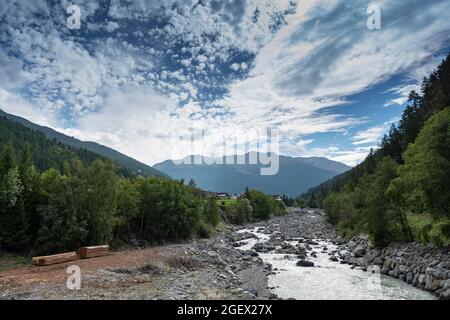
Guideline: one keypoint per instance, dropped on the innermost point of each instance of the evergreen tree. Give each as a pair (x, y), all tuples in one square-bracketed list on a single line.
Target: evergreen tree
[(192, 183)]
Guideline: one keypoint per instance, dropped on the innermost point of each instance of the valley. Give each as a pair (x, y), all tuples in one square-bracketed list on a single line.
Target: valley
[(256, 261)]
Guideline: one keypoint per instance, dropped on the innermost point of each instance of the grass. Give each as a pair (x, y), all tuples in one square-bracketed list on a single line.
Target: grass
[(226, 202), (11, 261), (426, 230)]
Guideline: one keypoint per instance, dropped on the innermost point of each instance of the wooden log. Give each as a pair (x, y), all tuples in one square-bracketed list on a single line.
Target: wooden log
[(95, 251), (54, 259)]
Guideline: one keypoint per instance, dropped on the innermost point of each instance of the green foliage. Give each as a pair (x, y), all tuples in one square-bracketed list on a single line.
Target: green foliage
[(338, 208), (440, 233), (55, 198), (45, 153), (243, 211), (63, 219), (80, 206), (226, 202), (211, 211), (423, 184), (383, 225), (52, 211), (401, 192), (168, 210), (288, 202), (128, 204), (433, 98), (51, 149), (252, 206), (13, 220), (11, 261), (264, 206), (369, 212)]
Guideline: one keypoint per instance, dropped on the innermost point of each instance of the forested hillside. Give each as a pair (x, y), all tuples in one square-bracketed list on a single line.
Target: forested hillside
[(51, 211), (401, 192), (127, 163), (46, 153), (88, 203)]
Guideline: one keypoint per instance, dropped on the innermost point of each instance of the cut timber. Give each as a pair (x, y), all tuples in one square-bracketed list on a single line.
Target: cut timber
[(54, 259), (91, 252)]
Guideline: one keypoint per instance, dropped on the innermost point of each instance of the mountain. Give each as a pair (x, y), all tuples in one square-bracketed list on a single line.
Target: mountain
[(72, 146), (295, 175)]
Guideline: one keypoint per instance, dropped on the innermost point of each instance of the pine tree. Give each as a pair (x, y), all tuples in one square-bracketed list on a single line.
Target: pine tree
[(13, 220)]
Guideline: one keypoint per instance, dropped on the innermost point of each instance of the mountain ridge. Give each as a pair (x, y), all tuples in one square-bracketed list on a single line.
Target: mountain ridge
[(133, 165), (295, 175)]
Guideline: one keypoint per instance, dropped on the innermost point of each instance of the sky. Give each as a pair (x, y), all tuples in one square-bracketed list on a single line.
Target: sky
[(138, 73)]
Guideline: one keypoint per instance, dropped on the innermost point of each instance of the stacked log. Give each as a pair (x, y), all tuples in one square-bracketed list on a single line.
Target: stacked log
[(96, 251), (54, 259)]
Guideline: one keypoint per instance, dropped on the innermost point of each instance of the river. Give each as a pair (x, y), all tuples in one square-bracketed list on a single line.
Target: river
[(328, 280)]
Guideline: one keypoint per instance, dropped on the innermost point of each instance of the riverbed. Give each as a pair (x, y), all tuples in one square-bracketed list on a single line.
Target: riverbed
[(327, 279), (254, 262)]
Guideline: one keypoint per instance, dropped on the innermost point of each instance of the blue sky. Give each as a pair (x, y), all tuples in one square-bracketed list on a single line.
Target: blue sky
[(137, 72)]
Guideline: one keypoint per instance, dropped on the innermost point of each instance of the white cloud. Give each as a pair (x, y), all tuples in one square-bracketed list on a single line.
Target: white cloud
[(16, 105), (369, 135), (125, 94)]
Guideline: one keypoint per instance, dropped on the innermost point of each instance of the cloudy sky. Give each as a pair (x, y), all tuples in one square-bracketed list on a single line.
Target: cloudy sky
[(138, 72)]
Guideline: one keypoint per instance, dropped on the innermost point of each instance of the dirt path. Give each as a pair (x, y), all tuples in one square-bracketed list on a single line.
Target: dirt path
[(30, 275), (204, 269)]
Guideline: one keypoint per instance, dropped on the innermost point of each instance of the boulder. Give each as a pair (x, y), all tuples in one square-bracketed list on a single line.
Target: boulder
[(445, 295), (334, 259), (409, 277), (378, 261), (421, 279), (445, 284), (431, 283), (305, 263), (387, 263), (359, 251), (444, 265)]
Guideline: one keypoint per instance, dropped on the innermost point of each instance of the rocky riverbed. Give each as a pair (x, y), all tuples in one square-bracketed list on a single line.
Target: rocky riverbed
[(296, 256), (424, 267), (310, 261)]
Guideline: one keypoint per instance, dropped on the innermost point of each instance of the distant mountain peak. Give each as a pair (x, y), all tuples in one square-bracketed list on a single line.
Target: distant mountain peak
[(295, 174)]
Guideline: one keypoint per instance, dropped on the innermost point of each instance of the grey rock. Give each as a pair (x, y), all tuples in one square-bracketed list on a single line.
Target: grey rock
[(359, 251), (409, 277), (444, 265), (334, 259), (305, 263), (445, 295), (445, 284), (378, 261)]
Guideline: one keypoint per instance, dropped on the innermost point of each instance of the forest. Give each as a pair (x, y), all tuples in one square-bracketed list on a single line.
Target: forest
[(72, 198), (401, 191)]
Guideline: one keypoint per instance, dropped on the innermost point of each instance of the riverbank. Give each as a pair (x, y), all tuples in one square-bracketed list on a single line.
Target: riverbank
[(310, 261), (203, 269), (295, 256), (424, 267)]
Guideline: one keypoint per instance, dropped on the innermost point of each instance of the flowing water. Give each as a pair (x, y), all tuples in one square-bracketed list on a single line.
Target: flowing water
[(329, 280)]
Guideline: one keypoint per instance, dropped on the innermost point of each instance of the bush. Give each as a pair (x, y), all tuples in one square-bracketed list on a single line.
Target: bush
[(440, 233), (264, 206), (211, 211), (243, 211)]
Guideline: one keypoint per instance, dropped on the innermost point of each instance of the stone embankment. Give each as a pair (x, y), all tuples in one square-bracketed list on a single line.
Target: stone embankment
[(425, 267)]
